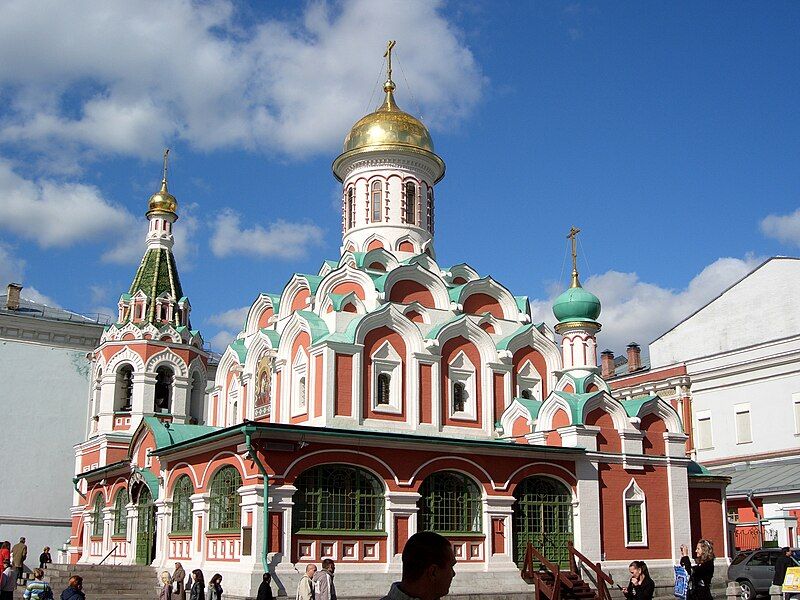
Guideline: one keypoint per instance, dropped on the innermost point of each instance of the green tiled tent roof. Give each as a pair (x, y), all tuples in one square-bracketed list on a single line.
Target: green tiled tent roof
[(157, 273)]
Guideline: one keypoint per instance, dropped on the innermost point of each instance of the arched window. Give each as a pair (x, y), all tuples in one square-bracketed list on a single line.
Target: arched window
[(337, 498), (459, 399), (124, 388), (351, 207), (225, 500), (450, 503), (526, 393), (430, 210), (182, 505), (163, 392), (377, 198), (411, 203), (97, 516), (121, 513), (635, 516), (384, 387), (197, 399)]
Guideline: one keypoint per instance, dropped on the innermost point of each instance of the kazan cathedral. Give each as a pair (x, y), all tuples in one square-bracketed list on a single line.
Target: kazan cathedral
[(383, 395)]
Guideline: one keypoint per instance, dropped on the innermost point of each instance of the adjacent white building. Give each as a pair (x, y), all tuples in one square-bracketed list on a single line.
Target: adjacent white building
[(44, 375)]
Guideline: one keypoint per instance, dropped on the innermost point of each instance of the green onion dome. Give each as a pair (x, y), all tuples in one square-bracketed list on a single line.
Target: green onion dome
[(576, 304)]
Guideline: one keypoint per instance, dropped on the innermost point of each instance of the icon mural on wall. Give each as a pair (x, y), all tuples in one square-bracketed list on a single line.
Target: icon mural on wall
[(263, 382)]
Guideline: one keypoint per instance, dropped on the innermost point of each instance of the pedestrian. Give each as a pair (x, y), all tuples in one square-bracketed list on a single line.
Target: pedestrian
[(215, 587), (305, 587), (74, 589), (178, 591), (18, 555), (198, 589), (38, 589), (784, 561), (428, 561), (8, 581), (641, 586), (5, 552), (166, 587), (44, 558), (264, 590), (702, 572), (323, 581)]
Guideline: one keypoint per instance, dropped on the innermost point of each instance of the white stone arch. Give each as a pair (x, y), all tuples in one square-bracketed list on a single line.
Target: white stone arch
[(126, 355), (297, 283), (490, 287), (228, 362), (348, 274), (169, 358), (349, 298), (375, 237), (464, 271), (528, 373), (418, 308), (294, 327), (172, 477), (538, 341), (608, 404), (415, 272), (468, 329), (426, 262), (427, 246), (391, 317), (594, 378), (263, 302), (514, 411), (544, 420), (214, 467), (382, 256), (358, 454), (259, 344), (170, 331), (415, 476), (664, 411), (490, 319), (411, 240)]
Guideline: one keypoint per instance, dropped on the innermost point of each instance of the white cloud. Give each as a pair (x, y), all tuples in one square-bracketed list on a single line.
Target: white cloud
[(126, 77), (11, 267), (279, 239), (55, 214), (635, 310), (34, 295), (220, 341), (784, 228), (230, 319)]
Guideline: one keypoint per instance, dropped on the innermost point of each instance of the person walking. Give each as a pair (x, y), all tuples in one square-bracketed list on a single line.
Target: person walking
[(428, 561), (74, 589), (178, 591), (8, 581), (5, 552), (44, 558), (215, 587), (701, 573), (264, 590), (784, 561), (198, 589), (305, 587), (324, 589), (166, 586), (18, 555), (38, 589), (641, 586)]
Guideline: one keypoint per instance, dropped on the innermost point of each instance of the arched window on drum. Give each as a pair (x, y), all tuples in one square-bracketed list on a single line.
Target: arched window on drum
[(450, 502), (338, 498), (376, 199)]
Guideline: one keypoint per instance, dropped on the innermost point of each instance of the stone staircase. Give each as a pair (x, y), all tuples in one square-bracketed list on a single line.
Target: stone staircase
[(104, 582)]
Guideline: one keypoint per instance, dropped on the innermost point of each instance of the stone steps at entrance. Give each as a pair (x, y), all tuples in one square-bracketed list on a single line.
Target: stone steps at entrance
[(105, 582)]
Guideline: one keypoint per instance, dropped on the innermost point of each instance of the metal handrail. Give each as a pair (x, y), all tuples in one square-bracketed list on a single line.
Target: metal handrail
[(110, 552)]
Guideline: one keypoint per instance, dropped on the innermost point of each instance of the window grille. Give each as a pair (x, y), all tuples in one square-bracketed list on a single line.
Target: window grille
[(634, 517), (543, 517), (351, 207), (458, 397), (225, 500), (377, 194), (97, 516), (384, 386), (338, 498), (182, 505), (411, 201), (430, 210), (450, 503), (121, 513)]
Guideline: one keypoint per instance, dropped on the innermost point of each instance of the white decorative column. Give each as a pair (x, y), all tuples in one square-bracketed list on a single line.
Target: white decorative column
[(678, 486), (163, 521), (400, 506), (280, 501), (88, 526), (586, 512), (253, 516), (108, 528), (201, 505), (499, 508), (179, 406)]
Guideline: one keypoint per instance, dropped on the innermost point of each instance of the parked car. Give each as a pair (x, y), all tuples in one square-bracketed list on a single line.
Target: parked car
[(754, 570)]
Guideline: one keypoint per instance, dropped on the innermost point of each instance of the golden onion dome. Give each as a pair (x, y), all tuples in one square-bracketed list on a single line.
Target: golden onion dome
[(162, 200), (388, 126)]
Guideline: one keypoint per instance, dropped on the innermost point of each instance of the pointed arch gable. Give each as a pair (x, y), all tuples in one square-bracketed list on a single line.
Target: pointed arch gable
[(424, 279), (297, 294), (168, 357), (391, 317), (291, 336), (468, 329), (261, 314), (608, 404), (381, 256), (463, 273), (530, 336), (425, 261), (415, 308), (664, 411), (487, 293), (511, 414), (336, 303), (550, 408), (347, 279), (125, 355)]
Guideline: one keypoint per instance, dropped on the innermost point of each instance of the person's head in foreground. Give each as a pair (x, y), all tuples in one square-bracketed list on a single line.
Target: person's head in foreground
[(428, 562), (310, 570)]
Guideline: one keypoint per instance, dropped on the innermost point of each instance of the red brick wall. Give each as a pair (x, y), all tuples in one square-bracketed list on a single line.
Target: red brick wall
[(653, 442), (425, 394), (477, 304), (499, 396), (344, 384), (408, 291), (608, 438), (705, 513)]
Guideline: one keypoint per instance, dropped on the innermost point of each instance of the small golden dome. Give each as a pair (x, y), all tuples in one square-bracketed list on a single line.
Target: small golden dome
[(388, 126), (162, 200)]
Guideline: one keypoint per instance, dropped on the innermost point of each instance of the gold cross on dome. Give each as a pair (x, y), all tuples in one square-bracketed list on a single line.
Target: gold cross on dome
[(388, 56), (573, 236)]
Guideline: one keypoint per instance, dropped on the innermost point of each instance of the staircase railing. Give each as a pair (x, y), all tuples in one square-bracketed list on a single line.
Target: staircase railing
[(110, 552), (601, 578), (543, 588)]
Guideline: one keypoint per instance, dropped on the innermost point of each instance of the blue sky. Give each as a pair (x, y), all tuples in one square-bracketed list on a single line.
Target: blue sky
[(669, 132)]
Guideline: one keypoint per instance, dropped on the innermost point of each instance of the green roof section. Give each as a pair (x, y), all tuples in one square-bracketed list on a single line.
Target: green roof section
[(697, 470), (337, 300), (634, 405), (576, 403), (522, 304), (435, 330), (348, 336), (149, 478), (166, 433), (157, 274), (274, 336), (532, 406), (316, 326), (504, 343), (313, 281), (379, 281), (455, 292), (238, 346)]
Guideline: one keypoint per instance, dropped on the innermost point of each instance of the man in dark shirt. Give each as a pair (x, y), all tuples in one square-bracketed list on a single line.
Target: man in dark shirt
[(783, 562)]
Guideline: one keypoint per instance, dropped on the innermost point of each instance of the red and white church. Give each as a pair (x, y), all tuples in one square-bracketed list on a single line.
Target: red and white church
[(383, 395)]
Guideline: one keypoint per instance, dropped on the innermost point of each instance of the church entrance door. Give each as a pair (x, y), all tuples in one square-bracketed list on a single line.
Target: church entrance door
[(543, 517), (146, 529)]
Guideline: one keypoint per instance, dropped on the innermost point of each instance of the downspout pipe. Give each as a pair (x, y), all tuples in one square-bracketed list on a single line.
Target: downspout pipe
[(75, 482), (248, 432), (758, 516)]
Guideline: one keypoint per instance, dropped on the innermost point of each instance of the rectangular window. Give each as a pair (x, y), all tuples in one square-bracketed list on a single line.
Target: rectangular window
[(704, 440), (744, 433), (634, 518)]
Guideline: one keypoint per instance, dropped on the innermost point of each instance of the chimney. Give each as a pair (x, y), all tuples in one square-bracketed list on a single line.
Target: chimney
[(634, 357), (12, 300), (607, 364)]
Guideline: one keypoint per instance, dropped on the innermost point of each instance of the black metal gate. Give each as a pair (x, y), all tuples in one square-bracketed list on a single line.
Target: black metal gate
[(543, 517)]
